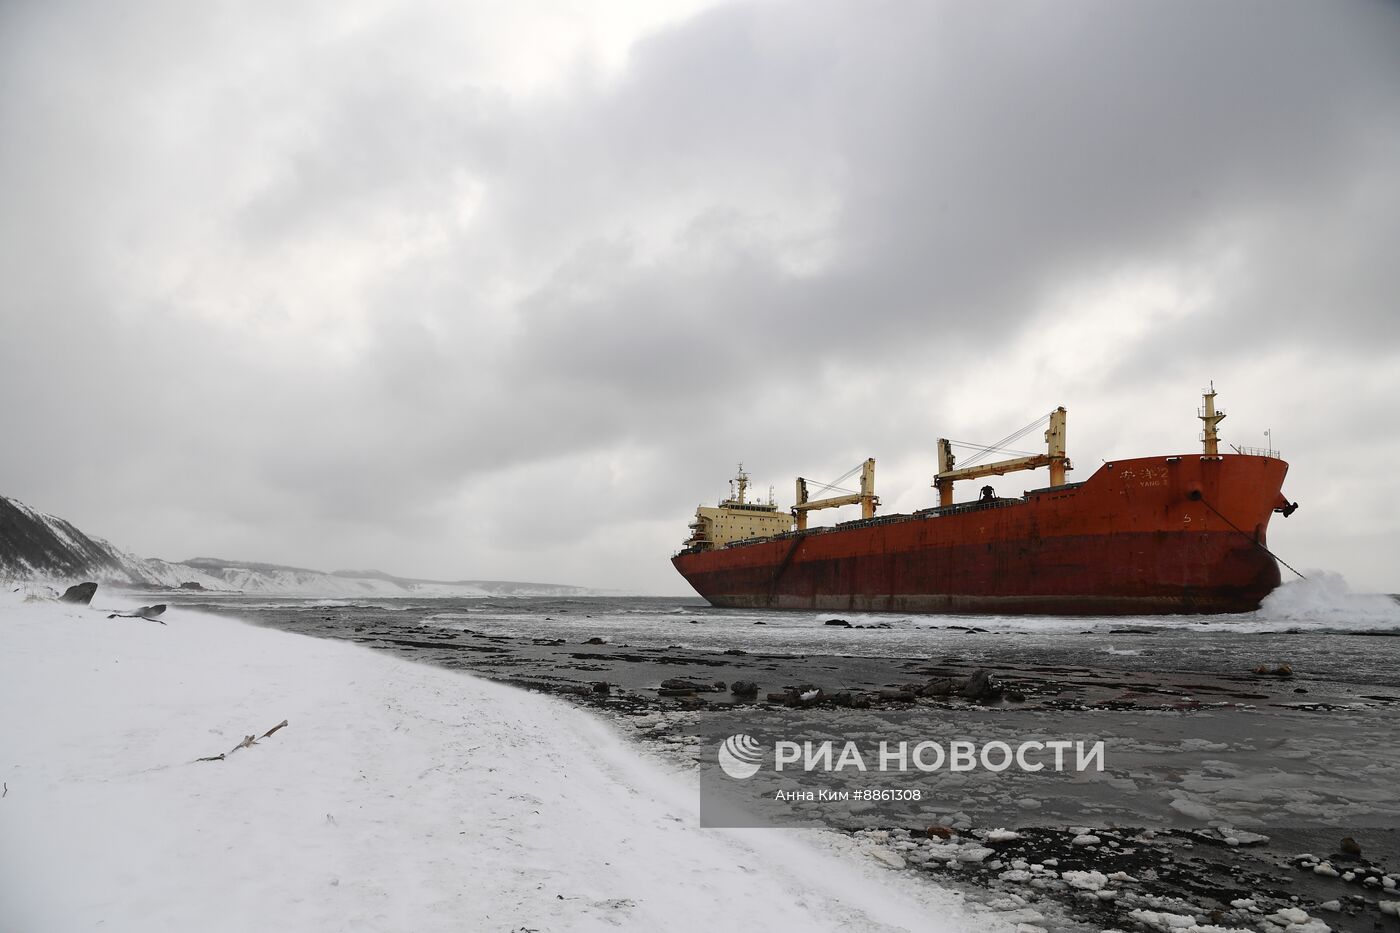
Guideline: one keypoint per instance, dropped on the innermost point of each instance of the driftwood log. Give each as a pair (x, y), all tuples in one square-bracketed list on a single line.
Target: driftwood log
[(149, 613), (248, 742)]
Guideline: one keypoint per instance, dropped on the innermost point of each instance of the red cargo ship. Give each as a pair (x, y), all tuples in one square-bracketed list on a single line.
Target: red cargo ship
[(1153, 535)]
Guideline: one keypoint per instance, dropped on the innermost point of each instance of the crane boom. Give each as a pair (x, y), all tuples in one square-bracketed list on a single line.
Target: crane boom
[(1054, 458), (866, 498)]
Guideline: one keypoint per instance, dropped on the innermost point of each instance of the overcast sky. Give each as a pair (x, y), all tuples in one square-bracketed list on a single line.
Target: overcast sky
[(484, 290)]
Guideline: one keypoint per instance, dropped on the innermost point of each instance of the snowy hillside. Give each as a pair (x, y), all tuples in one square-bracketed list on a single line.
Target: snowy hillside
[(35, 546)]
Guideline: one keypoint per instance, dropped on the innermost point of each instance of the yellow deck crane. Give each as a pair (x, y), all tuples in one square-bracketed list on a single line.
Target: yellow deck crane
[(866, 497), (1054, 458)]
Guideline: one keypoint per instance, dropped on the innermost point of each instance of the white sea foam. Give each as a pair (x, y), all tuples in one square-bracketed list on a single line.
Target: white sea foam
[(1325, 600), (1323, 603)]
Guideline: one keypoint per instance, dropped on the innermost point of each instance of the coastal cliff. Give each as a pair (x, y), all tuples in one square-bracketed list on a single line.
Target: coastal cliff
[(43, 548)]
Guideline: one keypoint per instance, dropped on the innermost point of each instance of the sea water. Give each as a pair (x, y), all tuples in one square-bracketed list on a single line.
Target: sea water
[(1318, 627)]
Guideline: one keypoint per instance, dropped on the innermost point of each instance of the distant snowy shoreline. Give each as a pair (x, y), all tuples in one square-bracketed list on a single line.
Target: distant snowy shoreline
[(39, 549), (399, 796)]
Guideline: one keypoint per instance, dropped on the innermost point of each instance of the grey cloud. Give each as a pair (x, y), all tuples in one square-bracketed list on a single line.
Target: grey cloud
[(606, 269)]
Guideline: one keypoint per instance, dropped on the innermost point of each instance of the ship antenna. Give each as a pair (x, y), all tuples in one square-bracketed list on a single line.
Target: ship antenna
[(1210, 437)]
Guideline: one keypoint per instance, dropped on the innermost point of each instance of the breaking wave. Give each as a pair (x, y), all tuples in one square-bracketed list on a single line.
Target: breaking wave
[(1325, 601)]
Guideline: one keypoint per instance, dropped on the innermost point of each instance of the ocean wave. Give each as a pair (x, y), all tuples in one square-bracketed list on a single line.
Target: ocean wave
[(1325, 602)]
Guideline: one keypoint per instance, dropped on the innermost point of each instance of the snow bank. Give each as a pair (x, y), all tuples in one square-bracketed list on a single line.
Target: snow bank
[(400, 797)]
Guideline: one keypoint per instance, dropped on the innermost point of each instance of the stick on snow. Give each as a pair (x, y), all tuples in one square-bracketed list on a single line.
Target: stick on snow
[(248, 742)]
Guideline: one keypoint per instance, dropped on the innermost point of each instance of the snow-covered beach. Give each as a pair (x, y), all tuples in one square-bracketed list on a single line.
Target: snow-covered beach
[(1133, 678), (400, 796)]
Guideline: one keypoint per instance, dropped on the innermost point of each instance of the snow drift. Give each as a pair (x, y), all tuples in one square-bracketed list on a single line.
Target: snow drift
[(399, 797)]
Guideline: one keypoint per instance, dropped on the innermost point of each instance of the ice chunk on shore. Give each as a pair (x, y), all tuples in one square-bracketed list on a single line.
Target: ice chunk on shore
[(1192, 808), (1000, 835), (1085, 880)]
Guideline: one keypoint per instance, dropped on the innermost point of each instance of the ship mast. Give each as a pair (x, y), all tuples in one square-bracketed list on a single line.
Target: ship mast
[(1210, 437), (1055, 445)]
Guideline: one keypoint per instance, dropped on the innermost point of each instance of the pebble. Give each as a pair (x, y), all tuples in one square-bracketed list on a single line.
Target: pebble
[(1084, 840)]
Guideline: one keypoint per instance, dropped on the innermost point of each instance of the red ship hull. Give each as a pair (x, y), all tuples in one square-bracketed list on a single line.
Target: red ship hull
[(1146, 536)]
